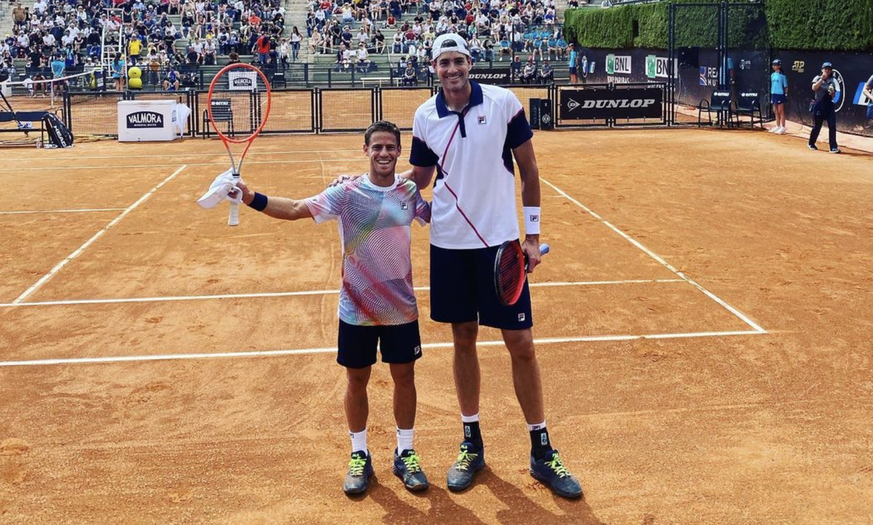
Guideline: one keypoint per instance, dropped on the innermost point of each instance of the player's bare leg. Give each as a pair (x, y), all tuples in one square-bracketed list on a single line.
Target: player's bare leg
[(406, 461), (466, 366), (356, 404), (546, 465), (404, 394), (525, 374), (471, 458)]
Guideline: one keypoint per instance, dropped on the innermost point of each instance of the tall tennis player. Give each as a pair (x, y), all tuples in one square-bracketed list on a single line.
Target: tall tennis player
[(377, 305), (468, 135)]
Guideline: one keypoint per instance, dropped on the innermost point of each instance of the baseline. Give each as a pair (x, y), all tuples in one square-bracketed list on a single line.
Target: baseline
[(30, 212), (45, 278), (295, 294), (152, 165), (659, 259), (309, 351)]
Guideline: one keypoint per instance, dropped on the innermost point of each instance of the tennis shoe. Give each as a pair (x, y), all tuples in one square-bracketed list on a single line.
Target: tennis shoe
[(551, 472), (812, 147), (835, 150), (782, 131), (408, 469), (470, 461), (774, 130), (360, 472)]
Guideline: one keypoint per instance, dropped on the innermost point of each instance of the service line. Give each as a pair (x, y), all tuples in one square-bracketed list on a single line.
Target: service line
[(45, 278), (30, 212), (302, 293), (217, 162), (658, 258), (330, 350)]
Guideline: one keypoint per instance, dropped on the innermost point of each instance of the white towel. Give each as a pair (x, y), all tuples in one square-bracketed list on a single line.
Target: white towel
[(223, 187)]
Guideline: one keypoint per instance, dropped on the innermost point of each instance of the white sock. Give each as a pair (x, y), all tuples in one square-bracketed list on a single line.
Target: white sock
[(404, 439), (538, 426), (470, 419), (359, 440)]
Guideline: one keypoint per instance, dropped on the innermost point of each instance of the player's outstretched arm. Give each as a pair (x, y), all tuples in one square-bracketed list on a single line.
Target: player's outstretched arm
[(420, 175), (278, 207)]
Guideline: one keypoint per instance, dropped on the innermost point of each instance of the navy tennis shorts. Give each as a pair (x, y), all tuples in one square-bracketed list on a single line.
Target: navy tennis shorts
[(399, 344), (777, 99), (462, 290)]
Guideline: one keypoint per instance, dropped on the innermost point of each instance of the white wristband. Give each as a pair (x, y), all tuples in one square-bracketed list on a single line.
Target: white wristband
[(531, 220)]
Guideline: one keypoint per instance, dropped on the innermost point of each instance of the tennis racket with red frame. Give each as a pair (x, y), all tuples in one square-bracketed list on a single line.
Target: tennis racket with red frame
[(510, 271), (238, 106)]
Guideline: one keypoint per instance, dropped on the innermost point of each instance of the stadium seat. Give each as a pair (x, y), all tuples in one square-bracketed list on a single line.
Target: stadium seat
[(749, 104), (720, 104)]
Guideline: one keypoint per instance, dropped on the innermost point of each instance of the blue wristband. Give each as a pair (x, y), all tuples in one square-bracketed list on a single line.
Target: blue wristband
[(259, 202)]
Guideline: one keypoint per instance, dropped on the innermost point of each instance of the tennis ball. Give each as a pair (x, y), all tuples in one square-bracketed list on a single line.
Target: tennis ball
[(134, 72), (134, 83)]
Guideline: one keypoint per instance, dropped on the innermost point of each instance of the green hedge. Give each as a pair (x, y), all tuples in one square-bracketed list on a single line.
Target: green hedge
[(825, 25)]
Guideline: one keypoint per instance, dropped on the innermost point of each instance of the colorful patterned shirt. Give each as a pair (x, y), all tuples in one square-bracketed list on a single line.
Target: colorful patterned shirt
[(374, 226)]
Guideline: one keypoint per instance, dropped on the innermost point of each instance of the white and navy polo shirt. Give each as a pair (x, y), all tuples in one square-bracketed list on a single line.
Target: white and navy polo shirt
[(472, 152)]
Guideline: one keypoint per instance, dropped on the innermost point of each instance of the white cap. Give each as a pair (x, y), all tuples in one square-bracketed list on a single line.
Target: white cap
[(447, 43)]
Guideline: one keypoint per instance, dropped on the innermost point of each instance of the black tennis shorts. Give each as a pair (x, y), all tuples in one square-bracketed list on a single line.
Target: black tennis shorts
[(357, 344), (462, 290)]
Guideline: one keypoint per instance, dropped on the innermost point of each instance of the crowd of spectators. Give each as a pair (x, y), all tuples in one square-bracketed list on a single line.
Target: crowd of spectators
[(72, 31), (353, 29)]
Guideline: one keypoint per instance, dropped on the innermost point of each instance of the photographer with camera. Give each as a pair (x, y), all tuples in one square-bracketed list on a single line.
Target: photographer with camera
[(824, 86)]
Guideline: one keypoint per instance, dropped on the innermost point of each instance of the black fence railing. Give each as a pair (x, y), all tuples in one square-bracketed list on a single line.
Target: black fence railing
[(318, 110)]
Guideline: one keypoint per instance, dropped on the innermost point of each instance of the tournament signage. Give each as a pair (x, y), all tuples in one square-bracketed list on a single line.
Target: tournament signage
[(145, 119), (632, 103), (242, 80), (494, 75), (618, 65)]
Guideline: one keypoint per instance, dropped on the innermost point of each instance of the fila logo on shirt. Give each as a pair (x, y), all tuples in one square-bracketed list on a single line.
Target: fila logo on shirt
[(482, 120), (404, 206)]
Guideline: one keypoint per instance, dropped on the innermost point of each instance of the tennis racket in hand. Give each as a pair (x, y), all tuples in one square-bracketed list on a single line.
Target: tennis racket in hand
[(238, 105), (510, 271)]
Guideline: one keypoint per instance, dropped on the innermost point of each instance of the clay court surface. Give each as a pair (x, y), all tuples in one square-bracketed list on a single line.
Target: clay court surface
[(745, 259)]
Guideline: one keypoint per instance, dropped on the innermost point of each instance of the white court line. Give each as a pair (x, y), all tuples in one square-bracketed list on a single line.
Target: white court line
[(296, 294), (188, 154), (96, 236), (658, 258), (58, 211), (214, 163), (309, 351)]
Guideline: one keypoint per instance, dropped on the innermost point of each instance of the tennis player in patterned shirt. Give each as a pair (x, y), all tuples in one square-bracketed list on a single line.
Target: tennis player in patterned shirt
[(377, 304)]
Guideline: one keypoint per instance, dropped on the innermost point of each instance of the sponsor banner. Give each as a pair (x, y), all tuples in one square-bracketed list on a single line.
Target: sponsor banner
[(631, 103), (656, 67), (618, 64), (242, 80), (745, 71), (144, 119), (494, 75)]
